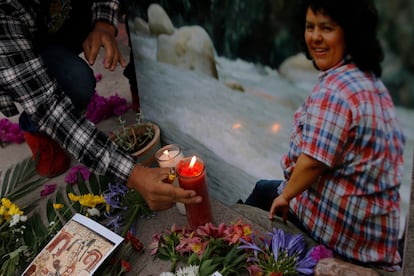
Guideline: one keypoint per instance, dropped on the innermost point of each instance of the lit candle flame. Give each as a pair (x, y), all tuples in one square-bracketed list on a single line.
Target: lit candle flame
[(166, 153), (192, 162)]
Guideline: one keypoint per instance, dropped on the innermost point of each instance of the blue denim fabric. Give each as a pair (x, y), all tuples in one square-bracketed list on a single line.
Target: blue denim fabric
[(73, 75), (263, 194)]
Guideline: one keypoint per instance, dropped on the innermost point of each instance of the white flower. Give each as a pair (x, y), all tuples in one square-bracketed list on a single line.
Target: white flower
[(191, 270), (14, 220), (23, 218), (94, 212)]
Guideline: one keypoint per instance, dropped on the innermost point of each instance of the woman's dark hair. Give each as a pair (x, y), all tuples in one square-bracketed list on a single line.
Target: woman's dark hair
[(359, 20)]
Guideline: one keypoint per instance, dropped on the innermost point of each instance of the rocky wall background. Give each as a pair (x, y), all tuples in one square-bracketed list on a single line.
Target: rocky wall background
[(260, 31)]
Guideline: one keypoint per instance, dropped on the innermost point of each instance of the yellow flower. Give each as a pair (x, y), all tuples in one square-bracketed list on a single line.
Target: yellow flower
[(247, 230), (57, 206), (90, 200), (6, 202), (9, 209), (196, 247), (2, 210), (73, 197), (14, 210)]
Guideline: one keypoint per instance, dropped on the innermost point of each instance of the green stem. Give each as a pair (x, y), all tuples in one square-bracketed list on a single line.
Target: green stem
[(57, 215), (173, 264), (131, 220)]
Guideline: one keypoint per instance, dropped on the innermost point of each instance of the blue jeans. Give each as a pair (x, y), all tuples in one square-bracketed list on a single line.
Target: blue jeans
[(262, 196), (60, 53), (73, 75)]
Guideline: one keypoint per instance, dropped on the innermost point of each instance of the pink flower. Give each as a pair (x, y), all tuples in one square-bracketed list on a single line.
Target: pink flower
[(209, 230), (154, 244), (100, 108), (189, 244), (118, 105), (238, 230), (75, 171), (48, 189), (10, 132), (320, 252), (98, 77), (255, 270)]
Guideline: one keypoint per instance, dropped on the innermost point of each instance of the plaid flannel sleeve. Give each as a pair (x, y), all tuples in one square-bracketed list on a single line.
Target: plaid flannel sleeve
[(24, 79), (106, 11)]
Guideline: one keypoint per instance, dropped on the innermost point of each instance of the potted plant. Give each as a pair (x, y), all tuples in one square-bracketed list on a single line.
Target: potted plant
[(141, 139)]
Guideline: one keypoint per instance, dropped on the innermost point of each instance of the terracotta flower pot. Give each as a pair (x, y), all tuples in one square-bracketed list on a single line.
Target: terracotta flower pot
[(145, 156)]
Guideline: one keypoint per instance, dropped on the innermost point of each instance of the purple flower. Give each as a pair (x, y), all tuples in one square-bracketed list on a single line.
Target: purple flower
[(97, 109), (115, 195), (75, 171), (10, 132), (48, 189), (320, 252), (295, 244), (307, 264), (100, 108), (250, 245), (278, 241), (118, 105), (114, 222), (98, 77)]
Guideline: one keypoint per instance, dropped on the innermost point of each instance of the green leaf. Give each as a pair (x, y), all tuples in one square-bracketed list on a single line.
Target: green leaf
[(67, 212), (94, 184), (163, 253), (83, 188), (207, 268), (193, 259), (20, 180), (50, 211)]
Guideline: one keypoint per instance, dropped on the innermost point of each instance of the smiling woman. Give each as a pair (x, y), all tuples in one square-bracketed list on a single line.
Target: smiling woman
[(344, 166), (325, 39)]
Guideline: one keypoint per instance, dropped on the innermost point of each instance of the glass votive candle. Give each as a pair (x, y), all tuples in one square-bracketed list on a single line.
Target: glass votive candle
[(191, 174), (168, 157)]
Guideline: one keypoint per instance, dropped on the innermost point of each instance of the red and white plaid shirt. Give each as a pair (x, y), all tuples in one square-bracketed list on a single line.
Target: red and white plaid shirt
[(349, 123)]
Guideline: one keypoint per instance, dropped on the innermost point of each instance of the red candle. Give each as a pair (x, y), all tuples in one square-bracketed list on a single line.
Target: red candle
[(192, 176)]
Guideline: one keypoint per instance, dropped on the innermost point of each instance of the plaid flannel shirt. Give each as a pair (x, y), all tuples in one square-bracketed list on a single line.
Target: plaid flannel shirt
[(24, 80), (349, 123)]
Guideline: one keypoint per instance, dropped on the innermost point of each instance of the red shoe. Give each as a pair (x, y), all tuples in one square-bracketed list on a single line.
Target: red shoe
[(51, 160)]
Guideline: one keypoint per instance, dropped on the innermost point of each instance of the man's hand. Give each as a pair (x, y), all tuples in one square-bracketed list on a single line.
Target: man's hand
[(159, 195), (103, 35)]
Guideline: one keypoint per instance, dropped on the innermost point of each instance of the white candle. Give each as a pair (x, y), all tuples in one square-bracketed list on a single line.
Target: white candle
[(168, 157)]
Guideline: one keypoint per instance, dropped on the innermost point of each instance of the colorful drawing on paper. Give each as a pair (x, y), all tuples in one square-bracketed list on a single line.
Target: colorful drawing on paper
[(75, 250)]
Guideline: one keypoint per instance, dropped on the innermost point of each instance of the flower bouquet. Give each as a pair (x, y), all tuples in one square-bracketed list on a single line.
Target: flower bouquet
[(112, 205), (234, 250)]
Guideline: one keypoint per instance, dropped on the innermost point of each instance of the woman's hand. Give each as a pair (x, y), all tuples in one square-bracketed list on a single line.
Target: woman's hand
[(103, 35), (281, 204), (159, 195), (306, 173)]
